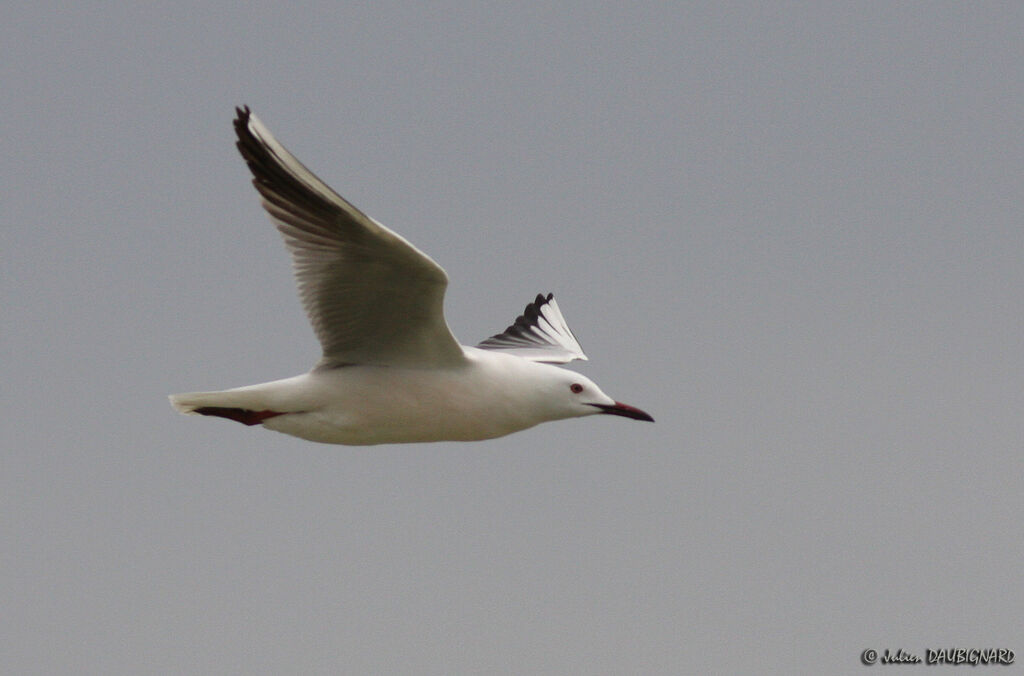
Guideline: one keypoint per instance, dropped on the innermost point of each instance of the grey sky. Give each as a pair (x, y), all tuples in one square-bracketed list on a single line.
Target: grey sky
[(791, 232)]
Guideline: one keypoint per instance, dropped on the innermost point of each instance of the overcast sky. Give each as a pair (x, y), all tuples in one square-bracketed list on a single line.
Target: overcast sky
[(792, 232)]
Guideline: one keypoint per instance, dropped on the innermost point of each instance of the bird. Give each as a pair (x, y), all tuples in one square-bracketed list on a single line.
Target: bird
[(391, 370)]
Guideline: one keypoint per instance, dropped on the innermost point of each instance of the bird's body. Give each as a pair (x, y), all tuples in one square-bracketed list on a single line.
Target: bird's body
[(391, 371), (360, 405)]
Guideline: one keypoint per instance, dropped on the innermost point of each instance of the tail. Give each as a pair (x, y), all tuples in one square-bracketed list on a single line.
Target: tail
[(240, 405)]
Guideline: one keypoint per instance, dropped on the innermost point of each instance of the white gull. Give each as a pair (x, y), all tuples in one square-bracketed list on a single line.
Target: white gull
[(391, 370)]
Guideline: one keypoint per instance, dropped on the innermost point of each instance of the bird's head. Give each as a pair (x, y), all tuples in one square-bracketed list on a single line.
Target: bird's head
[(573, 395)]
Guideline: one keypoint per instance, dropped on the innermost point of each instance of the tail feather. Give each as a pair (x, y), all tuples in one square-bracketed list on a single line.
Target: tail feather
[(190, 401), (240, 406)]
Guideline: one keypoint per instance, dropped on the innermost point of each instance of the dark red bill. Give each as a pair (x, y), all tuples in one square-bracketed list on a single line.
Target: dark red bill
[(625, 410)]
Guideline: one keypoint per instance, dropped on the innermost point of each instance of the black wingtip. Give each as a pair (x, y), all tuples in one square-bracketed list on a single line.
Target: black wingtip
[(531, 313), (241, 122)]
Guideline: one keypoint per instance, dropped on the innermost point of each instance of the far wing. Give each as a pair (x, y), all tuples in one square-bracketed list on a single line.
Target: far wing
[(539, 334)]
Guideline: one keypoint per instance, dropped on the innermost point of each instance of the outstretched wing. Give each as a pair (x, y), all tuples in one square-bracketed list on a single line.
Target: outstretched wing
[(371, 296), (539, 334)]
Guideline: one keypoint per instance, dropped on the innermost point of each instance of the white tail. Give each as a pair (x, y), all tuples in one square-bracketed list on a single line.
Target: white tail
[(250, 405), (244, 405), (188, 403), (248, 398)]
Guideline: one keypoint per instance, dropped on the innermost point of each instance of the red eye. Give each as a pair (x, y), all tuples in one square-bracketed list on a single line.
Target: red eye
[(576, 388)]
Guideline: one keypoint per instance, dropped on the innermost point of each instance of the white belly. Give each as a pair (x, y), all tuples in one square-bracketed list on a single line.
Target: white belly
[(362, 405)]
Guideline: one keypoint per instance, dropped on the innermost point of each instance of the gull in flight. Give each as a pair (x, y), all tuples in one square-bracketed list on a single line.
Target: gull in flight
[(391, 370)]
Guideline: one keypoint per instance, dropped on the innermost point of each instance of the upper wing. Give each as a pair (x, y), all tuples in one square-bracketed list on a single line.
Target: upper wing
[(539, 334), (372, 297)]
